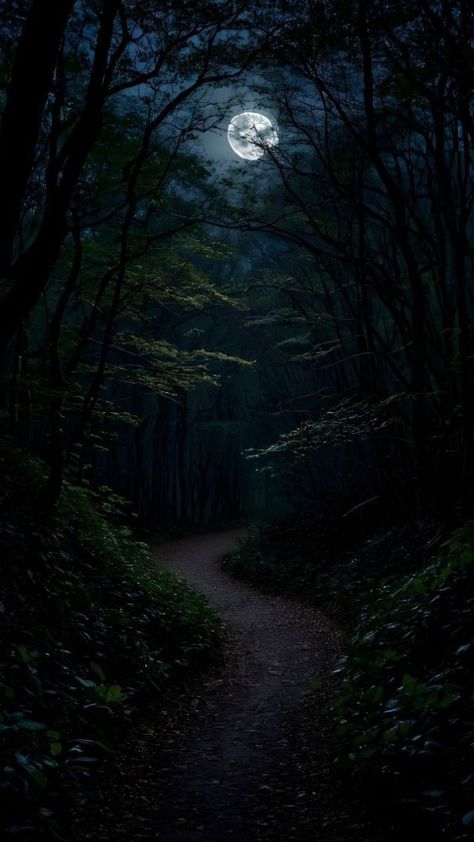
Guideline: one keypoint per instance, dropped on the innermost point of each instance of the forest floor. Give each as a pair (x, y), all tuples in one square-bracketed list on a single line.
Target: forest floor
[(248, 753)]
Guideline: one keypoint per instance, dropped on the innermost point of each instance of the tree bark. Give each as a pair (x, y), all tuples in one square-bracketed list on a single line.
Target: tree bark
[(33, 69)]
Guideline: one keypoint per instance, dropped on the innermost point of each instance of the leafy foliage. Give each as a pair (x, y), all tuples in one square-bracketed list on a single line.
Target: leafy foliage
[(402, 709), (346, 422), (92, 631), (332, 562), (167, 370), (404, 706)]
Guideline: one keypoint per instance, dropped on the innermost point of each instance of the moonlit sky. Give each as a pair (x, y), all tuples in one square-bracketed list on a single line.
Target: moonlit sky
[(225, 103), (230, 177), (250, 134)]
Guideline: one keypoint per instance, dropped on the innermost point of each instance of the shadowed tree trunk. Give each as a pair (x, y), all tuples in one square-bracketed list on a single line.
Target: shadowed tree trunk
[(32, 74), (31, 271)]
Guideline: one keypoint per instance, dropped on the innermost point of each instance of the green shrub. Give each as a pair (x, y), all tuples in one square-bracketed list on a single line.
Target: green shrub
[(328, 563), (91, 629), (404, 707), (403, 711)]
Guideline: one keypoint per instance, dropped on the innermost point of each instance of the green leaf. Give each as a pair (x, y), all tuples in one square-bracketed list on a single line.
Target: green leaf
[(55, 748), (375, 694), (114, 693), (391, 735), (97, 670), (24, 655), (39, 778), (369, 737), (29, 725), (409, 683)]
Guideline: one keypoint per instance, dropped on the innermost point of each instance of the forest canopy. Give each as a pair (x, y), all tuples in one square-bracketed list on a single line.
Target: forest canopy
[(140, 268), (236, 291)]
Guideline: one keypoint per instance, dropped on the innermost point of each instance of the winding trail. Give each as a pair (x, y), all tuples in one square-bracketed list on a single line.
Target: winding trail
[(239, 776), (253, 760)]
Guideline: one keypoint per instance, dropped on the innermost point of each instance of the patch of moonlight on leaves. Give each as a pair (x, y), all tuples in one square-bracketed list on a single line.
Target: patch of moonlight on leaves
[(251, 134)]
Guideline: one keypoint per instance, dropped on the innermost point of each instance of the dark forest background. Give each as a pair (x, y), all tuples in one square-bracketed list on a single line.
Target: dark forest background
[(337, 278), (188, 340)]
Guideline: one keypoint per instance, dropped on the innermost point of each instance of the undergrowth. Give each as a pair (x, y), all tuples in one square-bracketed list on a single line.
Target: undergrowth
[(328, 564), (403, 709), (91, 629)]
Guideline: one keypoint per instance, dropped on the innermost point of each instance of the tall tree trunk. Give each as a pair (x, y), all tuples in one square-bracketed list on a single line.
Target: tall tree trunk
[(52, 489), (33, 69), (32, 270)]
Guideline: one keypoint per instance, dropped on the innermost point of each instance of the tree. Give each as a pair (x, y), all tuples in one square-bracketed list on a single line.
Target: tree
[(378, 156), (132, 49)]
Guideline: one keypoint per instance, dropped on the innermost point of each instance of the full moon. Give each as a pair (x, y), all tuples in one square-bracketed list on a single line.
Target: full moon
[(250, 135)]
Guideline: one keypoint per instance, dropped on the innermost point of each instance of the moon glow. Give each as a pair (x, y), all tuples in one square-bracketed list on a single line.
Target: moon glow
[(251, 135)]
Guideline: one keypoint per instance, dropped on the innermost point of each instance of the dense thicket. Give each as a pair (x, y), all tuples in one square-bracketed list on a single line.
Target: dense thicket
[(92, 631)]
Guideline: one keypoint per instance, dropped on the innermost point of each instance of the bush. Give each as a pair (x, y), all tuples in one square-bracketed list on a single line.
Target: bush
[(333, 564), (405, 702), (91, 628)]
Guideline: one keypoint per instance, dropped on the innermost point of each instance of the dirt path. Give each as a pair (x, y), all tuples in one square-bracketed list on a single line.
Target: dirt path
[(240, 773), (254, 762)]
